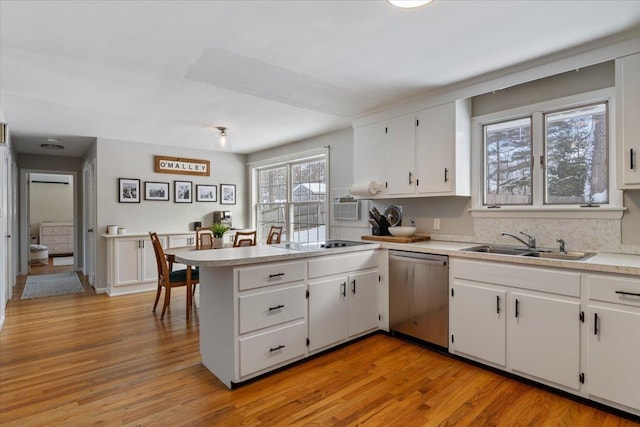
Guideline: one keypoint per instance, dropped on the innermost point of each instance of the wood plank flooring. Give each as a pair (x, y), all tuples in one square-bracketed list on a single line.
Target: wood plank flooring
[(86, 359)]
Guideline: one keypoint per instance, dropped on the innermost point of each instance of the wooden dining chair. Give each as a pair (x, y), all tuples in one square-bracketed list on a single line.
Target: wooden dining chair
[(244, 238), (275, 234), (168, 279), (204, 238)]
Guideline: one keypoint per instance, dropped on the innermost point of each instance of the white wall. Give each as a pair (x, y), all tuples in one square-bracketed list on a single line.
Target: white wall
[(124, 159), (50, 202)]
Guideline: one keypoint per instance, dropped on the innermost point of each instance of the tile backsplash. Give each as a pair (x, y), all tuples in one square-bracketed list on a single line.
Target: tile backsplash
[(602, 235)]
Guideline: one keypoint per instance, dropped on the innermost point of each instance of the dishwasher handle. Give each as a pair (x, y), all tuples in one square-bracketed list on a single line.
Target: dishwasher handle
[(417, 260)]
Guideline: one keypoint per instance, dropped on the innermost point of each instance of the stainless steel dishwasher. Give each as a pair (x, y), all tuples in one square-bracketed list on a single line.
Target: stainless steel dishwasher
[(419, 296)]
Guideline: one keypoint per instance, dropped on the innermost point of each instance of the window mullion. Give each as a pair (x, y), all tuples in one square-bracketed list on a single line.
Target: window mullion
[(537, 136)]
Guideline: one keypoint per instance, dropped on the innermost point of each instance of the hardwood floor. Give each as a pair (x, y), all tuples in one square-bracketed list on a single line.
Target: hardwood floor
[(83, 359)]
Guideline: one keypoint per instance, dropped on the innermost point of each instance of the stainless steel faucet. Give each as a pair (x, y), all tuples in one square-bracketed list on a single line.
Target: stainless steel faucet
[(562, 247), (531, 244)]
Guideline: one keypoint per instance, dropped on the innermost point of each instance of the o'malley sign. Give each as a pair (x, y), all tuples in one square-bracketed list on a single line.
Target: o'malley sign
[(179, 165)]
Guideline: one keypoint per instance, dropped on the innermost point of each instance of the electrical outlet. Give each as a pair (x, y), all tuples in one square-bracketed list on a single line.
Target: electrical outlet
[(436, 223)]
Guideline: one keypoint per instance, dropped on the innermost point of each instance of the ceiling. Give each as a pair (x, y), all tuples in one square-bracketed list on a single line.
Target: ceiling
[(272, 72)]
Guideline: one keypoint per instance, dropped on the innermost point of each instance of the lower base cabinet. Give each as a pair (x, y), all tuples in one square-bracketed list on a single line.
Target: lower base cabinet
[(544, 338), (473, 308), (572, 330), (613, 343), (342, 307)]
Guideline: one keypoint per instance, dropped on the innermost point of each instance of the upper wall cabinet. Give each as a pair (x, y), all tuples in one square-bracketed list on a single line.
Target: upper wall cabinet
[(417, 155), (627, 123)]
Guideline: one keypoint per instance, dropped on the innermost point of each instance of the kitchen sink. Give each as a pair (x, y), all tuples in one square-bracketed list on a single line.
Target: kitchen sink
[(529, 252), (499, 249), (567, 256)]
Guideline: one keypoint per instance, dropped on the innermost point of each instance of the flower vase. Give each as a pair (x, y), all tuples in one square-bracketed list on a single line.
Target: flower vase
[(218, 242)]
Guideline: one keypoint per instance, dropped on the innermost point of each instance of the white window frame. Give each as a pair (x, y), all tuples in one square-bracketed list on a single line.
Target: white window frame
[(613, 210), (288, 159)]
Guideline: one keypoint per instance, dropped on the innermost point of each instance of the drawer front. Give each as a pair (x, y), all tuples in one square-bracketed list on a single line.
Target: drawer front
[(60, 249), (554, 281), (56, 231), (344, 263), (270, 274), (55, 240), (264, 309), (616, 289), (272, 348)]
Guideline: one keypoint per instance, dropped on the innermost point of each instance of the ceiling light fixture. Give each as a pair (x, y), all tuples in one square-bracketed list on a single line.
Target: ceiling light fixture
[(222, 139), (409, 4), (52, 144)]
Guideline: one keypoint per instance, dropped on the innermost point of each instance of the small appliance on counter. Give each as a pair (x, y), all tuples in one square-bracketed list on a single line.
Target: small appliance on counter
[(222, 217), (379, 223)]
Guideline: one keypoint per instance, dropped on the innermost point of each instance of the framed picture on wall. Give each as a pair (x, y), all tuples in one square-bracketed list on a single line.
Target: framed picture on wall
[(128, 190), (183, 191), (227, 194), (156, 190), (206, 193)]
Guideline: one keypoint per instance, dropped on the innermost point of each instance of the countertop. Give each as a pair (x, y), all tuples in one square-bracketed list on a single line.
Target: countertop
[(601, 262), (254, 254)]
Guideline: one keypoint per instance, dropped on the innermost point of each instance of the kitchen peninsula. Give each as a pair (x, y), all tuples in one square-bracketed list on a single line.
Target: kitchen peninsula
[(263, 307)]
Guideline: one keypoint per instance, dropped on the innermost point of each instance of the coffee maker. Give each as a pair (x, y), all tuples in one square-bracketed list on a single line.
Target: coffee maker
[(222, 217)]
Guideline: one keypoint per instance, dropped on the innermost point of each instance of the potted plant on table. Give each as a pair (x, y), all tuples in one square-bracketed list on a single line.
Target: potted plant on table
[(218, 231)]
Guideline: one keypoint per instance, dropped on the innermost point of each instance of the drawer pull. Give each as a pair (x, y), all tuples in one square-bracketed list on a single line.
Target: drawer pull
[(517, 308), (595, 324), (343, 289), (353, 286), (498, 304), (277, 307), (274, 276), (633, 294), (272, 349)]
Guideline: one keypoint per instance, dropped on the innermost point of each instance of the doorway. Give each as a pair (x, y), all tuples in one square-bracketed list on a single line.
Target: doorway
[(51, 222)]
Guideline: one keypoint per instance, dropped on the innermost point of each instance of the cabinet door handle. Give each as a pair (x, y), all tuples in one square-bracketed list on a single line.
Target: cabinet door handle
[(343, 289), (446, 175), (517, 308), (273, 276), (277, 307), (272, 349), (632, 164), (353, 286), (410, 176), (595, 324), (498, 304), (634, 294)]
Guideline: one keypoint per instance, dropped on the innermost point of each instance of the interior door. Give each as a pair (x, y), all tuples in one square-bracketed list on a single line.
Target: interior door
[(4, 228), (89, 226)]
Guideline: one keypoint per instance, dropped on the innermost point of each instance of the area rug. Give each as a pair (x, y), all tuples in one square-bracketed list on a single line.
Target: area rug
[(47, 285), (62, 260)]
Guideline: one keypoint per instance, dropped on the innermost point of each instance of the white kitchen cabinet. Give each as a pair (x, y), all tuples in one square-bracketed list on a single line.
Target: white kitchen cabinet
[(272, 315), (134, 261), (363, 302), (369, 149), (443, 163), (478, 322), (400, 155), (627, 123), (328, 312), (342, 307), (343, 297), (426, 153), (544, 338), (541, 334), (613, 375), (181, 240)]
